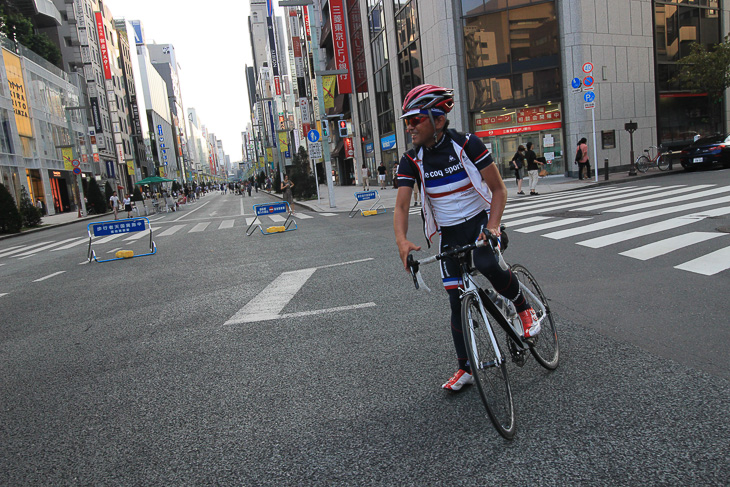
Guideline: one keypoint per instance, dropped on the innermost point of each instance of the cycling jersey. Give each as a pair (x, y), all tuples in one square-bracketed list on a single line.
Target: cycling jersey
[(454, 190)]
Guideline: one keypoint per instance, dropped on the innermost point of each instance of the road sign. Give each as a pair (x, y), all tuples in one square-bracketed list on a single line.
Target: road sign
[(575, 83), (589, 97), (313, 136), (315, 150), (588, 82), (589, 106), (588, 68), (77, 170), (75, 163)]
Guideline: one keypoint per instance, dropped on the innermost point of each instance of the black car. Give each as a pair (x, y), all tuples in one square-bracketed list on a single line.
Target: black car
[(707, 151)]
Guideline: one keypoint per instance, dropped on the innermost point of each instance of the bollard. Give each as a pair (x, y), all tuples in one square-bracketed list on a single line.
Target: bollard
[(605, 169)]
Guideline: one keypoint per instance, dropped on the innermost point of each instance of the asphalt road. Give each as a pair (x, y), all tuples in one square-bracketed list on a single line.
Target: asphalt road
[(176, 369)]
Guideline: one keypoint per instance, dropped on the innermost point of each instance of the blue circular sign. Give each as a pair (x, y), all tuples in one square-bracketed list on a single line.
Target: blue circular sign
[(313, 136), (589, 97), (77, 170), (588, 81), (575, 83)]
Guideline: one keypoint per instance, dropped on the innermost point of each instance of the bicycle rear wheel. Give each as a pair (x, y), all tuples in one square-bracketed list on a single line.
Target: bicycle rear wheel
[(662, 163), (489, 371), (545, 347), (642, 164)]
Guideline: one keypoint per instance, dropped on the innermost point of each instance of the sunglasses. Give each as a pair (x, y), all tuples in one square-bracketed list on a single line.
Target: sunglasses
[(415, 121)]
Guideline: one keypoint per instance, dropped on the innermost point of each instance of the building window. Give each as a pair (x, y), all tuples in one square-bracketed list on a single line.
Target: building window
[(381, 67), (409, 44)]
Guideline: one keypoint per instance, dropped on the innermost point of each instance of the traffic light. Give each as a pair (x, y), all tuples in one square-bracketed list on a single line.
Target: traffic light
[(342, 124)]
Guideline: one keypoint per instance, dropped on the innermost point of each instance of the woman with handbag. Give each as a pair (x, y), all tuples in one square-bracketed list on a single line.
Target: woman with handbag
[(517, 162), (581, 158)]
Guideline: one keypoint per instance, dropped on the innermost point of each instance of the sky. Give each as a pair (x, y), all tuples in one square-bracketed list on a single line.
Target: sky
[(212, 45)]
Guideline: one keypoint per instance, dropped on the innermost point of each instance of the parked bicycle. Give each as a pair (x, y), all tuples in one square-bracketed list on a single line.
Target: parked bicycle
[(489, 346), (654, 156)]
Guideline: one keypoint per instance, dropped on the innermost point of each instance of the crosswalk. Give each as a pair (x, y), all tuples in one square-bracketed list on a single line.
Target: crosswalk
[(22, 252), (608, 219), (611, 217)]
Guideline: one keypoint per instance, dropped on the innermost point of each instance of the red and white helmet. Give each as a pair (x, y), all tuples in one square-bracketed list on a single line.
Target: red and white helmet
[(425, 98)]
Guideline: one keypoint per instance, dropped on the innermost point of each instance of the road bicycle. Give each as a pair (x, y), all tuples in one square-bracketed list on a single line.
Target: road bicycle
[(654, 156), (493, 331)]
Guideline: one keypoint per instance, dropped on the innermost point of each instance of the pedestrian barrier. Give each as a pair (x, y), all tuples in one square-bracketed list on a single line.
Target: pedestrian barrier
[(376, 207), (116, 227), (272, 209)]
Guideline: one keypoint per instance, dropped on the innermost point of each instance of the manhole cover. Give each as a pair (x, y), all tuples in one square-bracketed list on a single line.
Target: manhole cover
[(572, 214)]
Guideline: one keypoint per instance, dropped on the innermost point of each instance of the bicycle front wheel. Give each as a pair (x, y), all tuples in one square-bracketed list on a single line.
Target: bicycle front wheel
[(662, 163), (545, 347), (642, 164), (488, 365)]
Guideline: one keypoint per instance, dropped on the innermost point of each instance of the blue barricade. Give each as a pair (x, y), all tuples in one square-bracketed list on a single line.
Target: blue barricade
[(376, 207), (115, 227), (272, 209)]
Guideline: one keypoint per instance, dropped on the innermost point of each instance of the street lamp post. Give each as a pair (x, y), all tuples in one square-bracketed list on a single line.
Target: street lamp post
[(75, 152)]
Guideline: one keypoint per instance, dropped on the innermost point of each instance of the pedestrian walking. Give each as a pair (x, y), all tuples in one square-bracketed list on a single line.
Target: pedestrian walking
[(286, 187), (365, 174), (381, 175), (128, 206), (114, 203), (517, 163), (581, 158), (533, 168)]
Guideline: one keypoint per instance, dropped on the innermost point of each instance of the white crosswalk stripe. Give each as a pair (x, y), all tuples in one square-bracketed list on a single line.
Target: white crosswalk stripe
[(20, 249), (226, 224), (137, 235), (82, 240), (681, 190), (108, 239), (199, 227), (279, 218), (302, 216), (170, 231), (29, 253), (663, 247), (552, 224), (677, 199), (709, 264)]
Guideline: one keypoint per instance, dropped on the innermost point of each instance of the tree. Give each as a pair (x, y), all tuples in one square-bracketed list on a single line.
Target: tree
[(108, 191), (10, 219), (94, 198), (707, 71), (16, 26), (30, 214), (304, 184)]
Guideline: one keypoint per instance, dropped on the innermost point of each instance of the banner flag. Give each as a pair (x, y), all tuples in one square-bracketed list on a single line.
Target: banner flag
[(328, 84)]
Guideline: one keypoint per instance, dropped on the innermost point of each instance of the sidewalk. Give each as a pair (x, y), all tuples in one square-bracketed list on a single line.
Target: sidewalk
[(344, 196)]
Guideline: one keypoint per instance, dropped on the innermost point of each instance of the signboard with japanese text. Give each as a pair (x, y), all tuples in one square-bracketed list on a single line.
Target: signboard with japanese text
[(536, 114), (96, 114), (519, 130), (113, 228), (349, 148), (16, 84), (102, 46), (272, 48), (339, 41), (271, 209), (366, 195), (357, 47)]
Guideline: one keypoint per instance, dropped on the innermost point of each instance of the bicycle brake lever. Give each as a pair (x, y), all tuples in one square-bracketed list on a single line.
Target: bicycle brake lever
[(413, 267)]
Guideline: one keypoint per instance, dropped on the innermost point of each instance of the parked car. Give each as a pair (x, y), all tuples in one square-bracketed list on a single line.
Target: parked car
[(707, 151)]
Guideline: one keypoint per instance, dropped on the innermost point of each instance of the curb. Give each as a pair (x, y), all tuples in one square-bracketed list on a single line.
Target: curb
[(48, 227)]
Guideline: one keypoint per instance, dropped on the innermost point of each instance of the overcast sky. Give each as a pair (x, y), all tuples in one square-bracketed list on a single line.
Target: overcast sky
[(212, 45)]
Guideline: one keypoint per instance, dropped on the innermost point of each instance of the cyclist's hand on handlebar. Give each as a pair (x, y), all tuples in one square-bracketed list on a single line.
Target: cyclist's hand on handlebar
[(404, 248)]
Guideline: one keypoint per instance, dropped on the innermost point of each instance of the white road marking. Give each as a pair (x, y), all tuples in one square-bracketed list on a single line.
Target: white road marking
[(21, 249), (279, 218), (580, 200), (623, 236), (268, 303), (552, 224), (199, 227), (9, 249), (84, 262), (524, 221), (681, 190), (109, 238), (40, 249), (346, 263), (191, 211), (82, 240), (243, 213), (112, 251), (302, 216), (170, 230), (229, 223), (633, 218), (328, 214), (49, 276), (662, 247), (710, 264), (3, 294), (676, 199), (138, 235), (250, 220)]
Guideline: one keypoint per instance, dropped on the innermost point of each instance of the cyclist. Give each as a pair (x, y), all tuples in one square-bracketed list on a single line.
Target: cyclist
[(462, 198)]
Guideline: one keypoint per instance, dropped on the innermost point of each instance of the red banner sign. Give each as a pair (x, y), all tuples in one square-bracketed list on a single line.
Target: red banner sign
[(306, 23), (277, 85), (349, 148), (519, 130), (536, 114), (339, 41), (103, 46), (357, 47)]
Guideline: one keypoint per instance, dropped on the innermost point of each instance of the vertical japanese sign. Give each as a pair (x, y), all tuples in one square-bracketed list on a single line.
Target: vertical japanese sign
[(96, 114), (357, 48), (102, 46), (274, 54), (68, 155), (14, 72), (306, 23), (328, 85), (297, 50), (337, 19)]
